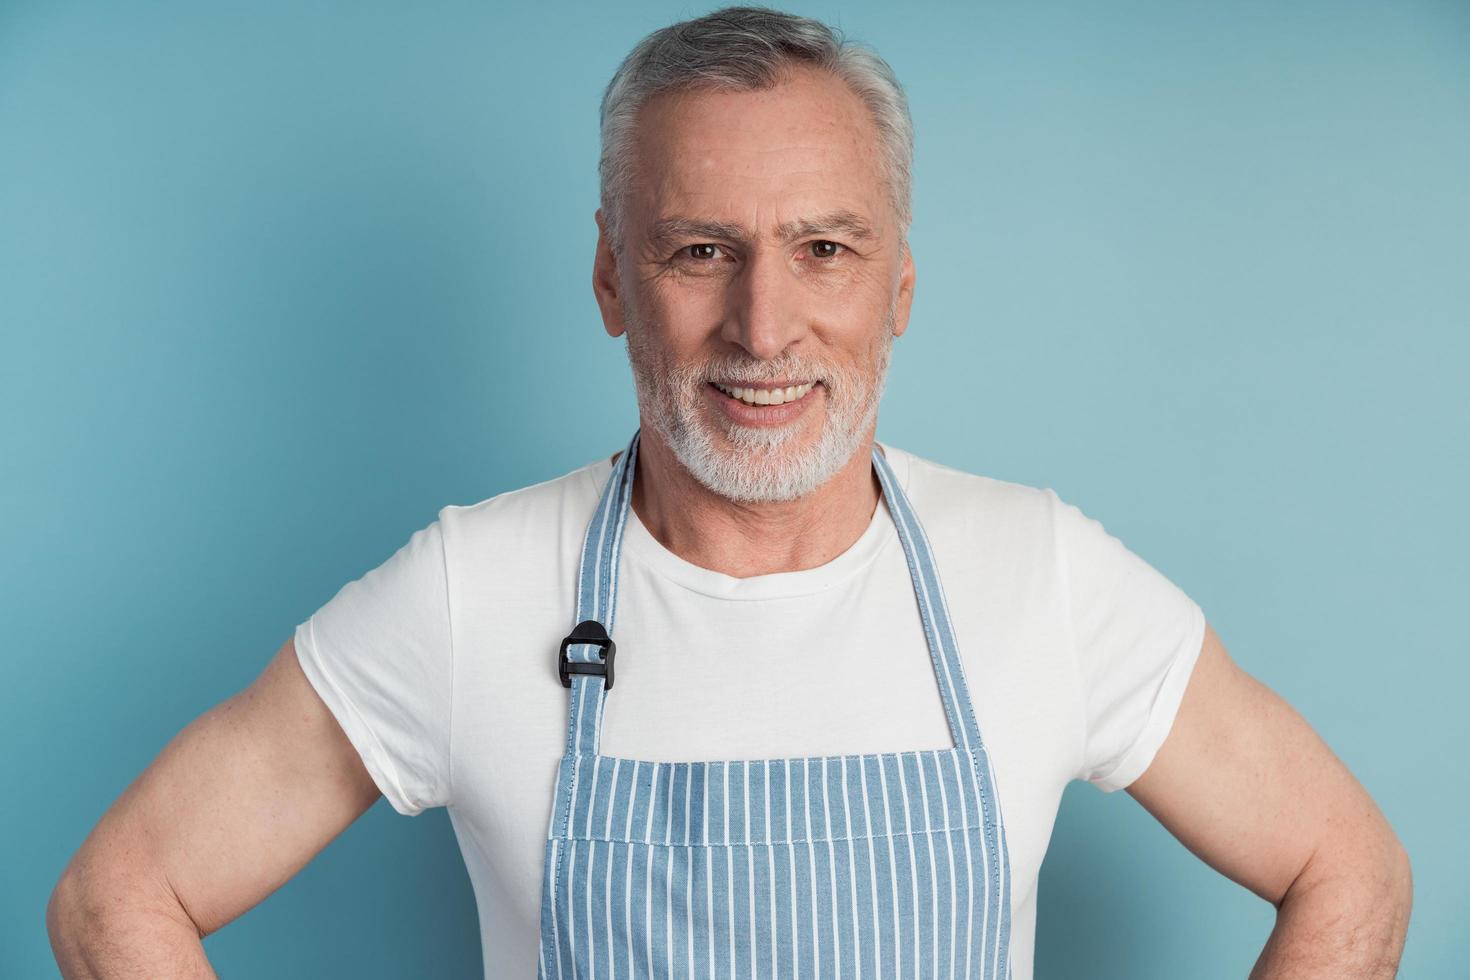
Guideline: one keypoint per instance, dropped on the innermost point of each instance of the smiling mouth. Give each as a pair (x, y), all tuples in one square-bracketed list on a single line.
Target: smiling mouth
[(766, 396)]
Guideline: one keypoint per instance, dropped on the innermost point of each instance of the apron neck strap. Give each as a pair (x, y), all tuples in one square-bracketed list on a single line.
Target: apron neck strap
[(586, 656)]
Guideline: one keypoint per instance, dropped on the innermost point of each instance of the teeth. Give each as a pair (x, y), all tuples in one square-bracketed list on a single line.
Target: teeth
[(767, 396)]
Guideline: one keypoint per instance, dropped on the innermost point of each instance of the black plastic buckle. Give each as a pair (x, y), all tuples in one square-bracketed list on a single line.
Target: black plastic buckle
[(588, 631)]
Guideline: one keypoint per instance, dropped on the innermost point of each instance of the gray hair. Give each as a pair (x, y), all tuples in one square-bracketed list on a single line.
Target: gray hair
[(746, 49)]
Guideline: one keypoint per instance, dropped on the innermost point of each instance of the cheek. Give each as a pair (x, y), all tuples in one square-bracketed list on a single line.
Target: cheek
[(687, 320), (705, 307), (856, 324), (859, 293)]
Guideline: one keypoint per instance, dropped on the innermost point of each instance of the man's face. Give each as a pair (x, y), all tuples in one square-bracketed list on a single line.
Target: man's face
[(761, 281)]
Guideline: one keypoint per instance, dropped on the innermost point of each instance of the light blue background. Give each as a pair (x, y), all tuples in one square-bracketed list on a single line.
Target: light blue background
[(280, 280)]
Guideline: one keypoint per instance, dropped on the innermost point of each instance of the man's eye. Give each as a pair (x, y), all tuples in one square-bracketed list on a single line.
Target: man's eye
[(703, 252), (825, 249)]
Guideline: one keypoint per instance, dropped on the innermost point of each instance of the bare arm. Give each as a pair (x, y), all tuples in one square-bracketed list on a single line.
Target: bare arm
[(233, 806), (1246, 784)]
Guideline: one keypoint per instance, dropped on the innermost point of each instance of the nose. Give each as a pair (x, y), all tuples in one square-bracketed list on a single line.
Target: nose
[(764, 314)]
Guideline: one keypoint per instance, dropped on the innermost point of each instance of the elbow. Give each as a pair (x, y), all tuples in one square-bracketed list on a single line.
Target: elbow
[(1402, 878), (1370, 868), (1394, 872), (1398, 898), (66, 921), (79, 913), (96, 905), (62, 906), (1365, 890)]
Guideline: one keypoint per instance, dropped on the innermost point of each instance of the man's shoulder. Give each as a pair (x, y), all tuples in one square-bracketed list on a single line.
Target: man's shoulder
[(535, 508), (946, 490), (974, 516)]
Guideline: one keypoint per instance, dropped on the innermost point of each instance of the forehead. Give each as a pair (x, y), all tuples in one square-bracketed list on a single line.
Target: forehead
[(806, 146)]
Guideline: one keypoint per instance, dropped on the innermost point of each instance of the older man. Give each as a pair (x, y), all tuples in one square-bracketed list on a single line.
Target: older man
[(755, 696)]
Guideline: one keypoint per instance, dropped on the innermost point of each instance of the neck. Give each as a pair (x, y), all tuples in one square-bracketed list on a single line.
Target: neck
[(743, 540)]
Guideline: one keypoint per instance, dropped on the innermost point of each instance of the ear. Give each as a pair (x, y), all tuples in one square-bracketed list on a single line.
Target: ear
[(905, 302), (605, 286)]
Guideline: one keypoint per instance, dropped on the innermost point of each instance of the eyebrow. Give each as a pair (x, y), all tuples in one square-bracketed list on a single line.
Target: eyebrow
[(849, 222)]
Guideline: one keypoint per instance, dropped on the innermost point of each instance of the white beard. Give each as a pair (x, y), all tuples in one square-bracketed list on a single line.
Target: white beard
[(760, 465)]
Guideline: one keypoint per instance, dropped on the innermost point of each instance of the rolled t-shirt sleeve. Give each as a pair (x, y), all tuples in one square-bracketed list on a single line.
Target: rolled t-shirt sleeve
[(1136, 638), (379, 654)]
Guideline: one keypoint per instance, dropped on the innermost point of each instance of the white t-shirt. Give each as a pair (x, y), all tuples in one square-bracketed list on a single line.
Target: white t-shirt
[(440, 665)]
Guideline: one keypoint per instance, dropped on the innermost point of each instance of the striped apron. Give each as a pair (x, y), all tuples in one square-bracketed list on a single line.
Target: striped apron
[(887, 864)]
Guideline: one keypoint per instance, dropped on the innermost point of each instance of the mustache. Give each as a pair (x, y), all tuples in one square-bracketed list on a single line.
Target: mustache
[(749, 371)]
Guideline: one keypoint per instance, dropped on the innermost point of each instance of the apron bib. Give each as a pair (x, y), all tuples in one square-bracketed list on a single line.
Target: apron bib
[(888, 864)]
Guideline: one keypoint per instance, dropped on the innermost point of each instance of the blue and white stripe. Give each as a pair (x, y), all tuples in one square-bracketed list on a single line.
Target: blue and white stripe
[(887, 865)]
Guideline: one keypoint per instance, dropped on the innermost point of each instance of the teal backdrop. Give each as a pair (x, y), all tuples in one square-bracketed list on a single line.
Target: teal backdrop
[(278, 280)]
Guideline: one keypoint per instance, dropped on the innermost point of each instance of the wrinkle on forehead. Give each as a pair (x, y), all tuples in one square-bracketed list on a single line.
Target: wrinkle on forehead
[(804, 148)]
